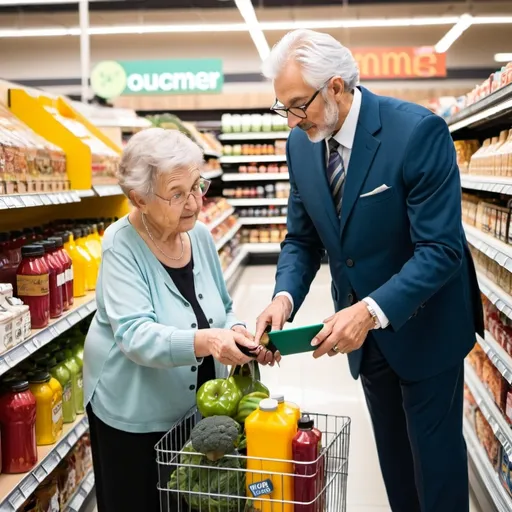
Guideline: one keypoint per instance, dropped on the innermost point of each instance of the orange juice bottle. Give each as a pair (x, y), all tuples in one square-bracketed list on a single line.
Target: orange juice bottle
[(93, 244), (91, 268), (270, 433), (287, 407), (79, 266), (47, 408)]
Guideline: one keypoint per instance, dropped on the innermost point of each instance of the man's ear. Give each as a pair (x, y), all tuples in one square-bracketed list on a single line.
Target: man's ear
[(338, 87)]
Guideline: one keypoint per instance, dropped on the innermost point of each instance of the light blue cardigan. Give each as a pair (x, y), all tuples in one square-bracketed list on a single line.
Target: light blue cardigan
[(140, 370)]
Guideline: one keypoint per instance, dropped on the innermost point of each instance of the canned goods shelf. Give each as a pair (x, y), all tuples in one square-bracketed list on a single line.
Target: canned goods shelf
[(15, 201), (497, 355), (489, 409), (259, 176), (254, 136), (15, 489), (82, 307)]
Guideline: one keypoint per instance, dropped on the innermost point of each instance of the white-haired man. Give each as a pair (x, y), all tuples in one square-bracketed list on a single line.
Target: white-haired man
[(375, 183)]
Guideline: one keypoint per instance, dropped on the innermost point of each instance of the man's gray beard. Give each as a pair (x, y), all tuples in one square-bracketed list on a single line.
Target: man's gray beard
[(331, 120)]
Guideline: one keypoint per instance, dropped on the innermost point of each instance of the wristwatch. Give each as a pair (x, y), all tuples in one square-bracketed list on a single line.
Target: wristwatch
[(374, 316)]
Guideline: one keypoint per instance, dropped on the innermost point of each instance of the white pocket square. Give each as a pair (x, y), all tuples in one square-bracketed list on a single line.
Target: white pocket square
[(376, 191)]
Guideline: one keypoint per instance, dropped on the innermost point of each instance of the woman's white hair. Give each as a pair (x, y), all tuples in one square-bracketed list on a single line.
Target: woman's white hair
[(320, 56), (153, 151)]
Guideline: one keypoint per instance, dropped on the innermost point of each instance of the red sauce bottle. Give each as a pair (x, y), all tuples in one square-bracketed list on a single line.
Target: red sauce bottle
[(33, 283), (67, 266), (18, 421), (305, 455), (56, 279)]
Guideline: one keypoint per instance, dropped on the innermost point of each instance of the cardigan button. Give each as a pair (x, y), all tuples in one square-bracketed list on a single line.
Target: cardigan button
[(186, 304), (200, 295), (193, 369), (210, 321), (193, 326), (192, 387)]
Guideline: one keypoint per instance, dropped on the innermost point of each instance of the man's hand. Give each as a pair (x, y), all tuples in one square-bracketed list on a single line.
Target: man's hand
[(344, 332)]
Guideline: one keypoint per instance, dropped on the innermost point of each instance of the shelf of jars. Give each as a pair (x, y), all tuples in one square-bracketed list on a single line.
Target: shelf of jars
[(263, 176), (254, 136), (247, 159), (258, 201)]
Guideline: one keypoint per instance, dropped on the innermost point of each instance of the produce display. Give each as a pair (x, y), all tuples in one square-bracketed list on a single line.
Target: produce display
[(263, 168), (253, 123), (278, 148), (28, 163), (279, 190), (264, 234)]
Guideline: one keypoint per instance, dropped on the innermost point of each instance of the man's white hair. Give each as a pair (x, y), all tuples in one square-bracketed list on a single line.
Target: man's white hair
[(320, 56), (151, 152)]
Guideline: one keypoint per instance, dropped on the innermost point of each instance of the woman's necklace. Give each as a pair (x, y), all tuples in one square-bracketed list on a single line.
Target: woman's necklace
[(157, 246)]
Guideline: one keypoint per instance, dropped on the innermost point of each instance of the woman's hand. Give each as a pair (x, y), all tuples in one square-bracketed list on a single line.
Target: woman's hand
[(242, 330), (264, 356), (221, 344)]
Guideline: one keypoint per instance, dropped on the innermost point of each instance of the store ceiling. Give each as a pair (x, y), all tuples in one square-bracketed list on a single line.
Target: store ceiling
[(120, 5)]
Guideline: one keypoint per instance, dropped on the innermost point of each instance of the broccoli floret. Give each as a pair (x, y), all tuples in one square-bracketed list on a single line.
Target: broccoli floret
[(215, 436)]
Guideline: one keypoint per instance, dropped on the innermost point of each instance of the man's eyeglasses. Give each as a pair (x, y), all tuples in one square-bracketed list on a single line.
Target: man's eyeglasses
[(198, 190), (300, 112)]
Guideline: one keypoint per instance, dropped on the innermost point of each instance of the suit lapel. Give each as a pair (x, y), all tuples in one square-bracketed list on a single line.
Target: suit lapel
[(363, 152)]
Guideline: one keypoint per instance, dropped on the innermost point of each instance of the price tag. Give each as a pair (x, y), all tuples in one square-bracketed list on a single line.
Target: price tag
[(77, 502), (73, 318), (38, 201), (72, 438), (29, 485), (4, 367), (88, 485), (46, 200), (40, 473), (18, 202), (91, 306), (50, 463), (501, 258), (16, 499), (3, 206), (18, 354), (53, 331), (63, 449)]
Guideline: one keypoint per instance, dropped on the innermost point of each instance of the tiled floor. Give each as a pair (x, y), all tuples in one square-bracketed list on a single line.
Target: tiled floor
[(320, 385)]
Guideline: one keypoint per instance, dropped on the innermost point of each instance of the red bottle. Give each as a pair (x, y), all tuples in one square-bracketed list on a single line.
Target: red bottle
[(305, 455), (18, 421), (320, 473), (56, 279), (67, 265), (33, 283)]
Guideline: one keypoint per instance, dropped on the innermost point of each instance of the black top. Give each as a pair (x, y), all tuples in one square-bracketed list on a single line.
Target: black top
[(183, 278)]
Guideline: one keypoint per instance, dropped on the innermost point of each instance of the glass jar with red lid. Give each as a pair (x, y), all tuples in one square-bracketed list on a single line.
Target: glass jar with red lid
[(33, 283), (56, 279), (18, 422), (60, 254)]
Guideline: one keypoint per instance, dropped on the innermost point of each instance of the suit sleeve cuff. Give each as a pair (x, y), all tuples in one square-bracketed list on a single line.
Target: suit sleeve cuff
[(383, 319), (290, 298)]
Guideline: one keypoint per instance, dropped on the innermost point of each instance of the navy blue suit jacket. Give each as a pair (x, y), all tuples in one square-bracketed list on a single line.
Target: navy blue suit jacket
[(404, 247)]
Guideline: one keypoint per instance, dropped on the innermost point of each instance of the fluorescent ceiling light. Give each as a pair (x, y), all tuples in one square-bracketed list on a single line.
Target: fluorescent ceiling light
[(491, 20), (465, 21), (15, 3), (258, 37), (503, 57)]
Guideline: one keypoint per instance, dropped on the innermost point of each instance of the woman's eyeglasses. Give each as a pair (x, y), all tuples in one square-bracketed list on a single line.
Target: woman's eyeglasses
[(198, 190)]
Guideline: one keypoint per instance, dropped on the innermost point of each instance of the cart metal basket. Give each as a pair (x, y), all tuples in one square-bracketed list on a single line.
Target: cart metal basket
[(188, 482)]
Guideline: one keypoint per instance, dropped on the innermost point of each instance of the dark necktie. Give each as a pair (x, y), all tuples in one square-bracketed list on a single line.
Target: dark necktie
[(335, 174)]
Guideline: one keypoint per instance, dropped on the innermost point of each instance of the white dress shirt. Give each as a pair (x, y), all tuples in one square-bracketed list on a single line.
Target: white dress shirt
[(345, 137)]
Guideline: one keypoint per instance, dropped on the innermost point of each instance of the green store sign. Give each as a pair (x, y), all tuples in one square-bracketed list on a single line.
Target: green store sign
[(110, 79)]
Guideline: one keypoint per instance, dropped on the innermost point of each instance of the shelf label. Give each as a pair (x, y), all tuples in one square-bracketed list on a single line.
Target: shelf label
[(16, 499), (73, 318), (50, 463), (4, 367), (29, 485), (72, 438), (63, 449), (3, 206), (40, 473), (46, 200), (18, 354)]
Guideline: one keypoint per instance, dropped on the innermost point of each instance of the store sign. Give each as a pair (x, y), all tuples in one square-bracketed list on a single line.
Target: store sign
[(110, 79), (400, 63)]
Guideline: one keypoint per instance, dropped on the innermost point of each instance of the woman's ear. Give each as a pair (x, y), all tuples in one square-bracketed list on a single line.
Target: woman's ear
[(138, 201)]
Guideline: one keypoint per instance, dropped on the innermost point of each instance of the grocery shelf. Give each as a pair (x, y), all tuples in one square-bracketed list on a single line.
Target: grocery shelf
[(252, 221), (485, 472), (257, 201), (492, 247), (210, 175), (86, 193), (107, 190), (249, 159), (260, 176), (266, 248), (497, 184), (496, 295), (484, 112), (15, 489), (11, 201), (497, 355), (235, 264), (81, 494), (82, 307), (228, 236), (208, 153), (220, 219), (254, 136), (489, 409)]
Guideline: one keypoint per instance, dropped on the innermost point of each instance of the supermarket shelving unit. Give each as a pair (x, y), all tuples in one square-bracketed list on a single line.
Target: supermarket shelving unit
[(478, 121)]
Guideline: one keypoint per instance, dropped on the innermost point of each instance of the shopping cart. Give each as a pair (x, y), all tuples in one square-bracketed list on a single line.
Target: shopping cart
[(189, 483)]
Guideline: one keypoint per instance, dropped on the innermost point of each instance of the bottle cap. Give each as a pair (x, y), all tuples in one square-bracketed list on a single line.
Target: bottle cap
[(59, 242), (19, 386), (16, 234), (39, 377), (32, 250), (77, 233), (49, 245), (268, 405), (305, 423), (4, 237), (278, 398)]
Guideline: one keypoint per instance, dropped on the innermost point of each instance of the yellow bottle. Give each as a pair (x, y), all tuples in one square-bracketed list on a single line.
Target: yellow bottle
[(91, 268), (269, 436), (47, 408), (93, 245), (287, 407), (79, 265)]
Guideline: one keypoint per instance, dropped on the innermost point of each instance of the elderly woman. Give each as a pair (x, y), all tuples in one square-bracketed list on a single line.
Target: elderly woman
[(164, 321)]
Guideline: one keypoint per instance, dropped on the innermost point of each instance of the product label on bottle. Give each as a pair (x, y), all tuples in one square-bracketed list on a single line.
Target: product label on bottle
[(261, 488), (57, 413), (33, 286), (80, 382), (27, 326), (6, 337), (66, 393), (61, 279), (69, 274)]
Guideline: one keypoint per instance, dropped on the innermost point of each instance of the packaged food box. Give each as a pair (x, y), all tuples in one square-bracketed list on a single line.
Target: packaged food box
[(470, 407), (505, 471), (476, 358), (495, 383), (487, 438)]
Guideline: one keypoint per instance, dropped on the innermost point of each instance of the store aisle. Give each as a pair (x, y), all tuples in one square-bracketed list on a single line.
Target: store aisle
[(323, 386)]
